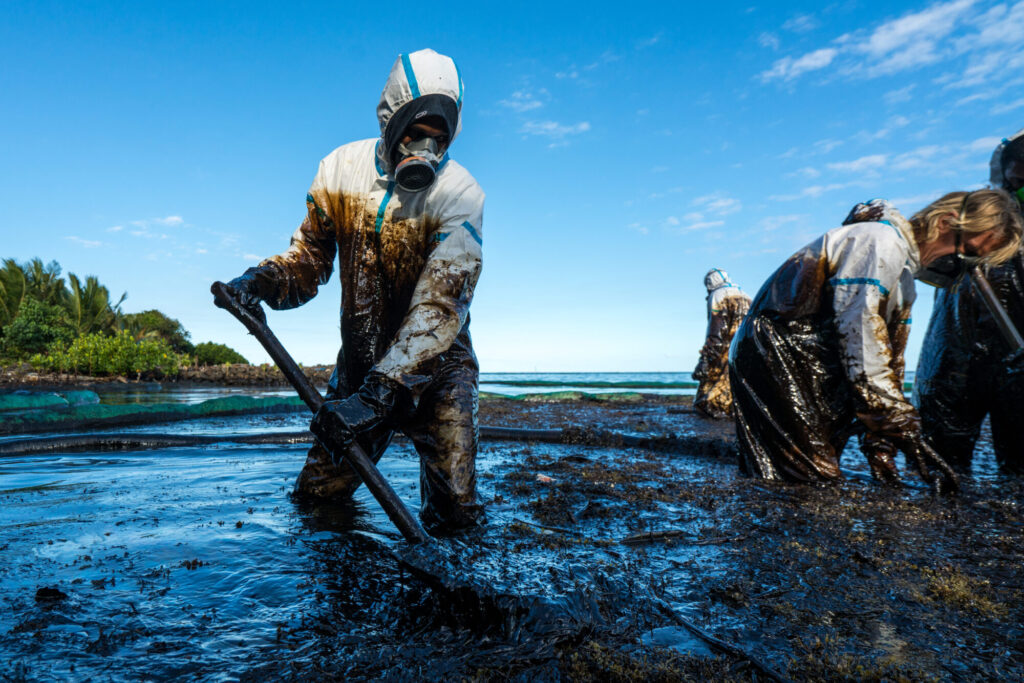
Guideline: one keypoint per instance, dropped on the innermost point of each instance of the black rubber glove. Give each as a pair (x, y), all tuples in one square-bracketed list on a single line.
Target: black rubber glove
[(250, 288), (700, 373), (930, 465), (1014, 362), (880, 454), (338, 423)]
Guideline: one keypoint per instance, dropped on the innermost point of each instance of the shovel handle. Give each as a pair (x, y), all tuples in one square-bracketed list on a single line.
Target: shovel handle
[(353, 454)]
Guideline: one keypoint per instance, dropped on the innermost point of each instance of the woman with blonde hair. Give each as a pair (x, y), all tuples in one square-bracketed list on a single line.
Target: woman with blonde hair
[(819, 356)]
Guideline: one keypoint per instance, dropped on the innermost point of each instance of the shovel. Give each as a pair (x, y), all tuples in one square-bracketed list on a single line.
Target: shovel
[(353, 454)]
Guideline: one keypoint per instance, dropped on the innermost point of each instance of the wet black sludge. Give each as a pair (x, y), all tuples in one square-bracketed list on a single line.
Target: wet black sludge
[(194, 562)]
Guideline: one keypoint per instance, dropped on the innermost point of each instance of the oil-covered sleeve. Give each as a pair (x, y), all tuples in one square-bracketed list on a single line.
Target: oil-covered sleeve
[(440, 302), (867, 266), (718, 323), (307, 263)]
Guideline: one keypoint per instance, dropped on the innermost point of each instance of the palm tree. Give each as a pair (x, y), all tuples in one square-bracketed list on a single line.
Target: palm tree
[(43, 282), (12, 290), (88, 308)]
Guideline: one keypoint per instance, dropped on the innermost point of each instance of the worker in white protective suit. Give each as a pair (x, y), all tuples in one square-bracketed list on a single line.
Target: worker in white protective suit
[(819, 356), (727, 305), (404, 222)]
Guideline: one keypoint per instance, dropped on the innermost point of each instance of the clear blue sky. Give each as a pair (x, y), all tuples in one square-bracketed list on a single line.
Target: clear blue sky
[(625, 148)]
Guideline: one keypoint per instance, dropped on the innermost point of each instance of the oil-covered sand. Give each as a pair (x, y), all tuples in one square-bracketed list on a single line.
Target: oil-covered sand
[(596, 562)]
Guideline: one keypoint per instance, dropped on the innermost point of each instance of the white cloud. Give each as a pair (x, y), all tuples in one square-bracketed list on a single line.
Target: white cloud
[(252, 257), (811, 191), (801, 23), (769, 40), (553, 129), (789, 68), (522, 100), (169, 220), (1009, 106), (718, 203), (990, 43), (826, 146), (772, 223), (638, 227), (88, 244), (865, 164), (650, 42), (702, 225), (115, 228), (899, 95)]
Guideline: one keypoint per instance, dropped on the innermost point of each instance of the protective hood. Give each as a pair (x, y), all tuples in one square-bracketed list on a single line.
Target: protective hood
[(995, 176), (881, 211), (420, 83), (716, 279)]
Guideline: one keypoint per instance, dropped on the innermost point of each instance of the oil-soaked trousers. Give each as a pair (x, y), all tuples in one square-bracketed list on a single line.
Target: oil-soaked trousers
[(443, 428), (714, 397), (793, 406), (964, 373)]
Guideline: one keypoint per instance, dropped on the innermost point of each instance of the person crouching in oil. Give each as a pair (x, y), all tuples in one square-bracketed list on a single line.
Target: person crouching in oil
[(404, 222), (819, 356), (727, 304)]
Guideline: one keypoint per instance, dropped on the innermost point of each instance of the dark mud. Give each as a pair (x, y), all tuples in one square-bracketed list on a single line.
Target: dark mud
[(598, 561)]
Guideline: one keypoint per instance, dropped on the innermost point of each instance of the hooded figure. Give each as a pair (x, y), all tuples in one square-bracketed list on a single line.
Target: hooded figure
[(965, 371), (727, 304), (409, 256), (819, 357)]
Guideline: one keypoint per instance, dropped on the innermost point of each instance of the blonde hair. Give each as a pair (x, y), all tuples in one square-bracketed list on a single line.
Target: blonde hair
[(974, 212)]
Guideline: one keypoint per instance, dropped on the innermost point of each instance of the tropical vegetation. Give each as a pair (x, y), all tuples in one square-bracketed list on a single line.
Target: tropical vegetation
[(73, 325)]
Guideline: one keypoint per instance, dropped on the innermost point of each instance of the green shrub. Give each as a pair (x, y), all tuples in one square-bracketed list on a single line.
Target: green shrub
[(36, 327), (96, 355), (210, 353), (152, 323)]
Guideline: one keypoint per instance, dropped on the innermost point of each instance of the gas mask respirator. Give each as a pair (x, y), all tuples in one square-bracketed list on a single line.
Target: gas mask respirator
[(417, 165), (944, 271)]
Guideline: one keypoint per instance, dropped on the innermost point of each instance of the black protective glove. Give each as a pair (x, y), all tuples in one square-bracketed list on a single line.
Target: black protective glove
[(338, 423), (880, 454), (700, 373), (931, 466), (1014, 362), (250, 288)]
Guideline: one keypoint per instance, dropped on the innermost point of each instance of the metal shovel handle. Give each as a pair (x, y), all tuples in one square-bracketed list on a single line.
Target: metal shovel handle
[(353, 454), (1009, 331)]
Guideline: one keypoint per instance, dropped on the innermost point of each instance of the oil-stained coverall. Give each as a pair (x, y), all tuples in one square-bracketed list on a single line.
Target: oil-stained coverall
[(965, 370), (408, 263), (819, 356), (727, 304)]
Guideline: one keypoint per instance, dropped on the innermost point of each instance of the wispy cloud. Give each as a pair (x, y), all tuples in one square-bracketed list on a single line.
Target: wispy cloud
[(88, 244), (553, 130), (650, 42), (789, 68), (866, 164), (801, 23), (1009, 106), (769, 40), (523, 100), (811, 192), (990, 41), (717, 203), (771, 223)]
